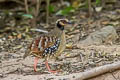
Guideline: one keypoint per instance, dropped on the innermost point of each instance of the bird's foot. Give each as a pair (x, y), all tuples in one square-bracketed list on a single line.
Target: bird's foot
[(54, 71), (51, 71), (35, 63)]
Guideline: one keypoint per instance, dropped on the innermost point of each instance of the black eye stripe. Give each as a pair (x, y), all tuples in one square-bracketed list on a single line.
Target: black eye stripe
[(61, 27), (64, 22)]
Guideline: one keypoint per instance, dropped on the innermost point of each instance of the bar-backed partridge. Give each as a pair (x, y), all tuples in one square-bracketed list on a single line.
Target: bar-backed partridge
[(49, 45)]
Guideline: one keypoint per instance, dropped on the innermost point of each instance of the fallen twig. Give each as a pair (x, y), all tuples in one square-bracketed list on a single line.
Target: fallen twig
[(91, 73)]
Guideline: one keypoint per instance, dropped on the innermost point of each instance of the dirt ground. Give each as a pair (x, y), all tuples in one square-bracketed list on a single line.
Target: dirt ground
[(14, 67)]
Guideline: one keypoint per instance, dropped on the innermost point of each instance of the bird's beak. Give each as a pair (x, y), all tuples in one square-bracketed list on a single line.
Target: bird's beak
[(69, 26)]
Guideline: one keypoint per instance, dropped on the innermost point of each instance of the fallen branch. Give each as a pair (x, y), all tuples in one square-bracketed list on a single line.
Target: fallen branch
[(99, 70), (91, 73)]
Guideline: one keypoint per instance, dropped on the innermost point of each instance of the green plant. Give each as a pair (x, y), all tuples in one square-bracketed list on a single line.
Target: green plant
[(51, 8), (66, 11), (97, 2)]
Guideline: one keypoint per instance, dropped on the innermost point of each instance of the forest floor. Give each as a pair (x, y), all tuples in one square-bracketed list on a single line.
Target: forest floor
[(12, 49)]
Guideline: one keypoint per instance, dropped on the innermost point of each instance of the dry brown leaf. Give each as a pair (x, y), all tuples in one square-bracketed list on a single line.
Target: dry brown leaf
[(104, 22), (75, 3), (10, 37), (19, 36), (69, 46), (82, 16)]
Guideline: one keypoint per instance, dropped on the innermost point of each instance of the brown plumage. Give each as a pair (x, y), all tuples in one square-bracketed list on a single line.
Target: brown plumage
[(49, 45)]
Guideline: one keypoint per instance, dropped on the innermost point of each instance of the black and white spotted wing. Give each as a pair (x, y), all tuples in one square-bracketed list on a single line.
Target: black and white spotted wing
[(45, 45), (52, 49)]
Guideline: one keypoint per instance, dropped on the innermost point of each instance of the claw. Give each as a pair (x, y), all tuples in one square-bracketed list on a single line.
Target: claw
[(48, 67)]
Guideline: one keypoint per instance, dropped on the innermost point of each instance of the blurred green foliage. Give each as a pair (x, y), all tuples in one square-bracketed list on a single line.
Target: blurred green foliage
[(74, 5), (66, 11), (98, 2), (51, 8)]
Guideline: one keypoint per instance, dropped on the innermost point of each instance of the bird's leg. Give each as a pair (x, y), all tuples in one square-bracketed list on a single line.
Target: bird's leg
[(48, 67), (35, 63)]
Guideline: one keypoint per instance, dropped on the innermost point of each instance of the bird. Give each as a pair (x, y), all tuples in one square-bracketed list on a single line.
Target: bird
[(49, 45)]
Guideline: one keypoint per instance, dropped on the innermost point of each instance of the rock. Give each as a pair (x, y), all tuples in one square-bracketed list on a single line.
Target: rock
[(105, 35)]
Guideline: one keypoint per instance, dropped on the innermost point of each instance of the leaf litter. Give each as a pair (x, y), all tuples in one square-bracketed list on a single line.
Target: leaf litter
[(73, 60)]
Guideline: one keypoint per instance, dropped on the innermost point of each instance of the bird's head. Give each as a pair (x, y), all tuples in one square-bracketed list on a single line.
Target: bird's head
[(63, 24)]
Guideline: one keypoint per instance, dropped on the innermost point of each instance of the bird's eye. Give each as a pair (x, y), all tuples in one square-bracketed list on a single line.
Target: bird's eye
[(64, 22)]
